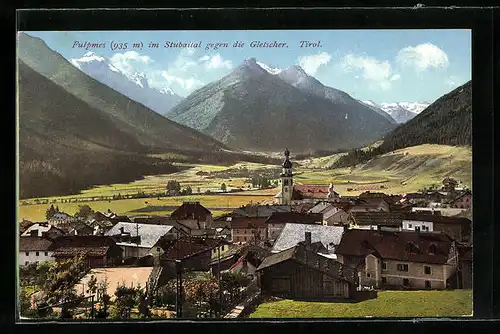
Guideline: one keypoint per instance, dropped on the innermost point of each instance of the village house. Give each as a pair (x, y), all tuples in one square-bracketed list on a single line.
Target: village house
[(61, 219), (411, 260), (45, 229), (277, 221), (99, 251), (438, 211), (464, 266), (24, 225), (193, 215), (462, 201), (300, 273), (80, 228), (370, 205), (225, 256), (35, 249), (336, 214), (248, 229), (374, 220), (138, 240), (293, 234), (250, 260), (259, 211), (459, 228)]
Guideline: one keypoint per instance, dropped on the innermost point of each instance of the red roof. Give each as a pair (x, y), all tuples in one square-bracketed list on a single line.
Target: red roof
[(191, 210), (248, 222), (311, 191), (402, 246)]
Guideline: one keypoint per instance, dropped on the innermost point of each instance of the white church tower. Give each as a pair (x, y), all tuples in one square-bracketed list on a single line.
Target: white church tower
[(287, 180)]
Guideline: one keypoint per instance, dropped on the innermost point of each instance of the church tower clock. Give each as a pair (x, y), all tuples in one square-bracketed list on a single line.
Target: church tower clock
[(287, 180)]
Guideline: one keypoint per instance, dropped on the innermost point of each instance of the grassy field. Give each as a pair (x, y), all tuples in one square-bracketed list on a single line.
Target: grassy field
[(387, 304)]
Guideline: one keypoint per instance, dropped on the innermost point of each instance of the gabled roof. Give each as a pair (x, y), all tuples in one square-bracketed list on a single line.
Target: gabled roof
[(464, 193), (311, 191), (312, 260), (186, 247), (378, 218), (295, 217), (27, 244), (247, 222), (61, 215), (292, 234), (42, 228), (24, 225), (302, 207), (393, 245), (149, 233), (262, 211), (319, 207), (91, 245), (191, 210)]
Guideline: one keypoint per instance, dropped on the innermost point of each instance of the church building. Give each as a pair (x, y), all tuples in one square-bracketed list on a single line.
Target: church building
[(295, 194)]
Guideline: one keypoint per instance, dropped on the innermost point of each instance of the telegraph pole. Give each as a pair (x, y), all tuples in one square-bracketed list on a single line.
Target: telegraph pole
[(218, 272), (178, 267)]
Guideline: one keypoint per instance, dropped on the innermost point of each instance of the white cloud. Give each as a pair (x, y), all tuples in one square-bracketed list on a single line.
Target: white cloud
[(186, 83), (377, 73), (312, 63), (216, 61), (127, 62), (422, 57)]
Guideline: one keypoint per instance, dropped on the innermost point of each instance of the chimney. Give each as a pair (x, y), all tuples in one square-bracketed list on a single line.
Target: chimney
[(34, 233), (308, 239)]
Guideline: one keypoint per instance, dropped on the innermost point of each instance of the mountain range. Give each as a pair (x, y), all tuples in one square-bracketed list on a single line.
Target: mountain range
[(401, 112), (135, 86), (253, 108)]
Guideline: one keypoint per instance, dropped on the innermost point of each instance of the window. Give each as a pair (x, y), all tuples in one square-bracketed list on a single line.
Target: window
[(432, 250), (27, 253), (410, 225), (384, 280), (384, 266), (285, 182), (406, 282), (402, 267), (26, 263), (417, 228), (427, 284), (368, 275), (46, 253), (244, 238), (37, 253), (427, 270)]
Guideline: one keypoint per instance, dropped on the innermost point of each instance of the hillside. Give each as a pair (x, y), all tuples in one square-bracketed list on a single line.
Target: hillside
[(252, 109), (152, 131), (65, 145), (447, 121)]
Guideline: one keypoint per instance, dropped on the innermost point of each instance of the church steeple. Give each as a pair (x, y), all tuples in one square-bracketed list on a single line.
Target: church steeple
[(287, 180)]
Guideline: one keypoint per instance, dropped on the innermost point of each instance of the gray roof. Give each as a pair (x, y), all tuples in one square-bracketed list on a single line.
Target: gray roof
[(292, 234), (150, 234)]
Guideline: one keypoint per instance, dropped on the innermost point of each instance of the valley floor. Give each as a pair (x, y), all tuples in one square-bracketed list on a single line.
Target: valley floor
[(403, 171), (387, 304)]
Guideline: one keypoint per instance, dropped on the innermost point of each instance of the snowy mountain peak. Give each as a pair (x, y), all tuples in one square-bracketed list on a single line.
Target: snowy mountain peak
[(269, 69)]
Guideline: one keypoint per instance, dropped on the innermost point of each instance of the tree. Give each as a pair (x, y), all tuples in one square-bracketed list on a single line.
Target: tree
[(223, 187), (92, 285), (84, 211), (50, 212), (57, 208), (125, 300), (449, 184), (61, 279)]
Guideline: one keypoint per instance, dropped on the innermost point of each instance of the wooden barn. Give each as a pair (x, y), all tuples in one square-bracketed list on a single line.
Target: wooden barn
[(300, 273)]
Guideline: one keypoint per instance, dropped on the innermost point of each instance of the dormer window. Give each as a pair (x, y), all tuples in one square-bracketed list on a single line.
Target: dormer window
[(411, 248), (432, 249)]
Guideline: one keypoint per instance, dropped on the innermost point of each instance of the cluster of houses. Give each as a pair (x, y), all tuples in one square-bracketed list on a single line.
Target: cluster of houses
[(310, 243)]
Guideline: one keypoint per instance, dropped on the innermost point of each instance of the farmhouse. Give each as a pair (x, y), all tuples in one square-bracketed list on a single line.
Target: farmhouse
[(138, 240), (374, 220), (463, 201), (43, 229), (277, 221), (411, 260), (248, 229), (300, 273), (292, 234), (259, 211), (250, 260), (193, 215), (99, 251), (35, 249), (61, 218), (459, 228), (371, 205)]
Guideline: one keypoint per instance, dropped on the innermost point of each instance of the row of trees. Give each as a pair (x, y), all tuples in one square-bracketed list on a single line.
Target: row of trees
[(262, 182)]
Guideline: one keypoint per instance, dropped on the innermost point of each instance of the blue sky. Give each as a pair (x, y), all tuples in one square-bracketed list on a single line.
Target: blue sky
[(377, 65)]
